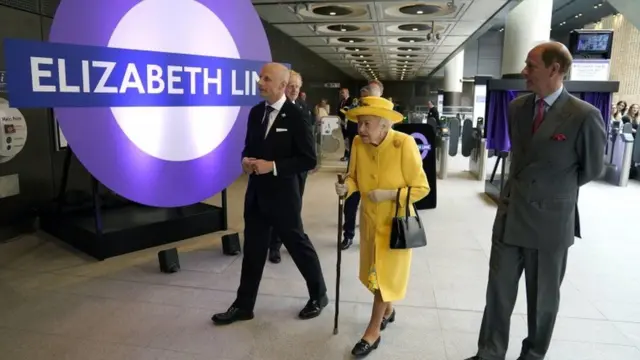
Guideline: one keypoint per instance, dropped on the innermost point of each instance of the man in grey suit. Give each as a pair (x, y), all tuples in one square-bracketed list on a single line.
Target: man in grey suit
[(557, 145)]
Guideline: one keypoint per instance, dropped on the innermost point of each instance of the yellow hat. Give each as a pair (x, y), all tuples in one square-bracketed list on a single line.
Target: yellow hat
[(375, 106)]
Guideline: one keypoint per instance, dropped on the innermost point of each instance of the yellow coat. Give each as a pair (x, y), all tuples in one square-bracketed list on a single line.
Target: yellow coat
[(394, 164)]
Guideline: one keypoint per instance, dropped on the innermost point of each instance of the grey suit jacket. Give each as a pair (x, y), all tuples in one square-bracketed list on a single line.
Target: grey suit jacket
[(538, 207)]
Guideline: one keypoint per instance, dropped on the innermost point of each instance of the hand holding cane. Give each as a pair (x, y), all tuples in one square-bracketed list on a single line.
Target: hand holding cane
[(341, 180)]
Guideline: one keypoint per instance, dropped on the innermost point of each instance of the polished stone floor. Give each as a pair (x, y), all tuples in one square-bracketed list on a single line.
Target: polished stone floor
[(56, 303)]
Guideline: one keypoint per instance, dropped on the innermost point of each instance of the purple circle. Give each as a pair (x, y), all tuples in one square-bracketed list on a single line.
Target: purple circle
[(106, 151), (425, 147)]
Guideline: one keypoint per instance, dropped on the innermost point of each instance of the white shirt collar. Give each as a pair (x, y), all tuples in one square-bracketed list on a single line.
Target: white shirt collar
[(551, 98), (278, 104)]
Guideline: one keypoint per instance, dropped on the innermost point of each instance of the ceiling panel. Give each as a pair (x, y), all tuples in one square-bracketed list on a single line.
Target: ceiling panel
[(399, 39)]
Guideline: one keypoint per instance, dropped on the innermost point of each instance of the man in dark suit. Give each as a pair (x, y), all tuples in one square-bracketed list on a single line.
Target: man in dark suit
[(278, 147), (433, 112), (557, 145), (346, 102), (292, 91)]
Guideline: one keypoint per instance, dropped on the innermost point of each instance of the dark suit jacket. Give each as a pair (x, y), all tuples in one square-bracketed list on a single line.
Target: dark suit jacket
[(433, 113), (306, 113), (538, 207), (289, 144), (342, 104)]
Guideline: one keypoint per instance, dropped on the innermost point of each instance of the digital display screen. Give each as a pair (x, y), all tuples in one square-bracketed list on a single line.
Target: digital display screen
[(593, 42)]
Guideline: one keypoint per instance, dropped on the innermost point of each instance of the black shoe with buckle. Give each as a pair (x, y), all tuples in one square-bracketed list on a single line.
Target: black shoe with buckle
[(346, 243), (387, 320), (313, 308), (363, 348), (232, 315)]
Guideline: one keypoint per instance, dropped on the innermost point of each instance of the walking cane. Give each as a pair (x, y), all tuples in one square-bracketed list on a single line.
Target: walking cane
[(341, 179)]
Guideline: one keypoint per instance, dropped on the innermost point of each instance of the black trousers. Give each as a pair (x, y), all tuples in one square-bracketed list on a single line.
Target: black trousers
[(345, 136), (258, 222), (544, 272), (350, 214), (349, 132), (275, 243)]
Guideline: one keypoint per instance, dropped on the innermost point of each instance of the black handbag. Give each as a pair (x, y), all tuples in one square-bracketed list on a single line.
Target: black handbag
[(407, 232)]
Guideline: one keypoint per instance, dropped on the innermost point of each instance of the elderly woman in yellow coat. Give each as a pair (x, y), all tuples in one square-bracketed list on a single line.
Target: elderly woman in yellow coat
[(382, 162)]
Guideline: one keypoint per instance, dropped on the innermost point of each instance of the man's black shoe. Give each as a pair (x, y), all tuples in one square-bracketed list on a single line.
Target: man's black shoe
[(274, 256), (232, 315), (313, 308)]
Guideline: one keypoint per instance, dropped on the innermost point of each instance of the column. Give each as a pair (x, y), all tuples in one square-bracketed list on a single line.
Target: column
[(528, 25), (630, 9), (453, 72)]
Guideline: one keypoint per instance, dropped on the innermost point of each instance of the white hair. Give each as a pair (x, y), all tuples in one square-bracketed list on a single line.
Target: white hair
[(386, 122), (374, 91)]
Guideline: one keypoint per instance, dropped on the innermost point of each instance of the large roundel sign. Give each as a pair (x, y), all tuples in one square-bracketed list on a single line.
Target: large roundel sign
[(423, 144), (152, 95)]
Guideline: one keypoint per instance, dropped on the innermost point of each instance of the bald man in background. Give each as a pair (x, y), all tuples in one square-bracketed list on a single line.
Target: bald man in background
[(292, 93), (278, 147), (557, 145)]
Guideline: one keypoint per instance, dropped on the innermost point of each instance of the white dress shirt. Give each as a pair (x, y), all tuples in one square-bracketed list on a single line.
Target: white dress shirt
[(277, 106), (549, 100)]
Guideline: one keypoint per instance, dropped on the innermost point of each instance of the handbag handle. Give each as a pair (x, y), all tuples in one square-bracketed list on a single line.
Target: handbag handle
[(398, 201), (407, 214)]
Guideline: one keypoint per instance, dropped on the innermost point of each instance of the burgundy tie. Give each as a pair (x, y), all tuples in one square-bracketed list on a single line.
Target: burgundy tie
[(539, 116)]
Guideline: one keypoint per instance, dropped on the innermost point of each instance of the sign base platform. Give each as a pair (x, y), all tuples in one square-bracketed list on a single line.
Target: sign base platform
[(106, 225), (132, 228)]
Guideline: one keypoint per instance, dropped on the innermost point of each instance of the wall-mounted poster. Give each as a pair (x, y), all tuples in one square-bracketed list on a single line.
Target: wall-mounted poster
[(13, 131)]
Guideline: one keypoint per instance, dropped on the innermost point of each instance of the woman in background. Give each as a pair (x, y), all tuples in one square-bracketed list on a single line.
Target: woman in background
[(321, 110), (632, 117), (620, 110)]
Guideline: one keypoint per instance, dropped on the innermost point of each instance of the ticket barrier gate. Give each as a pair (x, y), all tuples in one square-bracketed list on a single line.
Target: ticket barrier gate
[(329, 139), (617, 170), (442, 152), (479, 154)]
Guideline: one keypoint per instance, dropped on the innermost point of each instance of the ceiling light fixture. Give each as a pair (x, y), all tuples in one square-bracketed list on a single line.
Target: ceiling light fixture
[(414, 29), (332, 14), (419, 12), (351, 41)]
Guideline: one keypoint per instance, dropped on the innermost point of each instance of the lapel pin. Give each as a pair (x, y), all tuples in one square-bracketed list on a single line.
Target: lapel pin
[(284, 115)]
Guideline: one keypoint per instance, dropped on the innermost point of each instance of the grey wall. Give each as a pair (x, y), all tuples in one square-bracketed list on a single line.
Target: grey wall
[(484, 56), (34, 164), (39, 166)]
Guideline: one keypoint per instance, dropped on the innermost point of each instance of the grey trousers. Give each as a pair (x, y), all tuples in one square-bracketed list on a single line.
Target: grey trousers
[(544, 272)]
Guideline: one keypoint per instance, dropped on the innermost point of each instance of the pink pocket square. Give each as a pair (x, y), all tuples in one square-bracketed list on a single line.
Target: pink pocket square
[(559, 137)]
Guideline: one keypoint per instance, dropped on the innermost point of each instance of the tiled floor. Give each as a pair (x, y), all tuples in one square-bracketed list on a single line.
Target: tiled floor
[(57, 304)]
